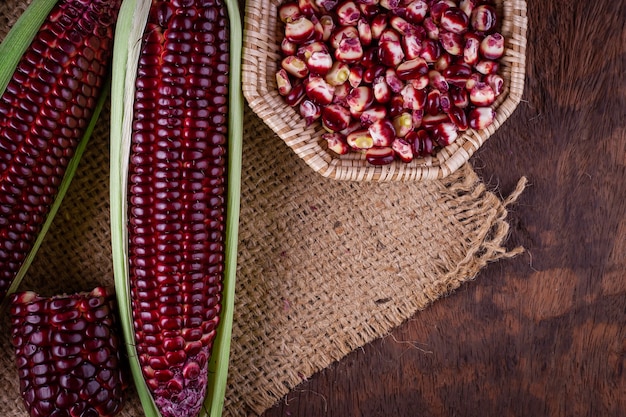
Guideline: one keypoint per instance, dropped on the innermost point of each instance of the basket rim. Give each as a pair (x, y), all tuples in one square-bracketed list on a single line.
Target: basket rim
[(261, 53)]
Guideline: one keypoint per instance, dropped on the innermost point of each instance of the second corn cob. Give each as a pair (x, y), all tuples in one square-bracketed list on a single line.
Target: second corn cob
[(45, 111)]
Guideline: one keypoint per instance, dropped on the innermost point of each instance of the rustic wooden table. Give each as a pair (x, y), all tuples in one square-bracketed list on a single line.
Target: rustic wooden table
[(543, 334)]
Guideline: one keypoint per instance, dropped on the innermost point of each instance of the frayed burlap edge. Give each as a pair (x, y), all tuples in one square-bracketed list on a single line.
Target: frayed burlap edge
[(495, 232)]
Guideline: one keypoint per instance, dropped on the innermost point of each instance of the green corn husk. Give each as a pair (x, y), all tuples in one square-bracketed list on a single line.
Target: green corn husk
[(12, 48), (130, 25)]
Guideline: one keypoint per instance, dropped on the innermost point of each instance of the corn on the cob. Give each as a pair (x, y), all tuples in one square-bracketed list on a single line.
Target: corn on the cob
[(177, 197), (67, 354), (44, 113)]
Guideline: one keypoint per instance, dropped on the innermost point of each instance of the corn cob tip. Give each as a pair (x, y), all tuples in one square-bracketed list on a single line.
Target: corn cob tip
[(187, 402)]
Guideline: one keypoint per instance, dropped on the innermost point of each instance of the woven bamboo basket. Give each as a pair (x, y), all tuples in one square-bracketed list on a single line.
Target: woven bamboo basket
[(260, 61)]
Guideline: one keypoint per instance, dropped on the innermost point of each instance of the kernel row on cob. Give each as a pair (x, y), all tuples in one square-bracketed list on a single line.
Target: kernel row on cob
[(53, 84), (176, 121)]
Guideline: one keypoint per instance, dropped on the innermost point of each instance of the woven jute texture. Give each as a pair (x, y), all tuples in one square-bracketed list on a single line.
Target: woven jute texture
[(324, 266)]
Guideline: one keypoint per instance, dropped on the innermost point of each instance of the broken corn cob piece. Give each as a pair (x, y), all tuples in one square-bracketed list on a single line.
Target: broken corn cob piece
[(46, 108), (67, 354)]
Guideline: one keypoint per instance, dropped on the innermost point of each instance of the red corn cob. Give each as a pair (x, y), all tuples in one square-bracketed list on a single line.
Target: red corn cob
[(67, 354), (177, 197), (44, 113)]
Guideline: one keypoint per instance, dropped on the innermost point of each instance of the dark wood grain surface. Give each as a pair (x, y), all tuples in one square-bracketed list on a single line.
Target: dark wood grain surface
[(543, 334)]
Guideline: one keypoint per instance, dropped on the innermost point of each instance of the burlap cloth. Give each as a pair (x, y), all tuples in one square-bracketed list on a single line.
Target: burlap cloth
[(324, 266)]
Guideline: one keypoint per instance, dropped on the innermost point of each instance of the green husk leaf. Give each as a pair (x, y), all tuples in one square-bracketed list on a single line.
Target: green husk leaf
[(12, 48), (131, 22), (218, 365)]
